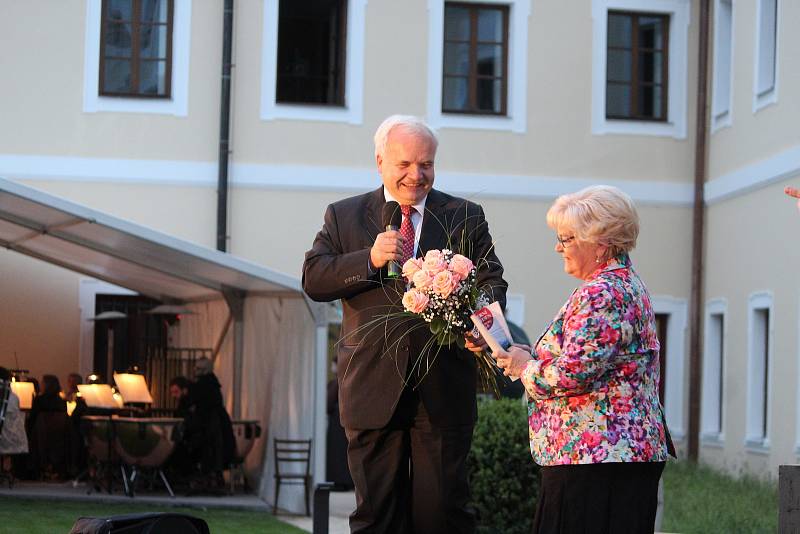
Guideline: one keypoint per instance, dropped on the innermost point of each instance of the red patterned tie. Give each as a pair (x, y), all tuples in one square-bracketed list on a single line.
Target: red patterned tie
[(407, 231)]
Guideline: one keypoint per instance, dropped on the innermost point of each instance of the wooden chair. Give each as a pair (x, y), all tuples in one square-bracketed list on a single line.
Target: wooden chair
[(288, 453)]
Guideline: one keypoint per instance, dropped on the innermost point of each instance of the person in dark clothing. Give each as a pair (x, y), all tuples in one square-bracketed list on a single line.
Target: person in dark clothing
[(208, 429), (336, 469), (49, 431), (179, 390)]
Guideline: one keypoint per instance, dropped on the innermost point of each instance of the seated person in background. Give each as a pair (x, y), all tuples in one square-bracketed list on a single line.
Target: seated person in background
[(179, 390), (71, 392), (49, 426), (13, 439), (208, 430)]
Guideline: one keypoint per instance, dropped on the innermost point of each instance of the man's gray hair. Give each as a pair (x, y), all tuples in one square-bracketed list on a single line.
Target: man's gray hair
[(408, 122)]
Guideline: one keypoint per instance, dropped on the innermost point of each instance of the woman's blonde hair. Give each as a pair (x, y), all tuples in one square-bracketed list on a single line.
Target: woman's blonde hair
[(600, 214)]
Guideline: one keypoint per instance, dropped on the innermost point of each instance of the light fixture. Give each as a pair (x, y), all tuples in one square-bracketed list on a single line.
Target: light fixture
[(25, 392), (132, 387), (109, 316), (170, 309), (98, 396)]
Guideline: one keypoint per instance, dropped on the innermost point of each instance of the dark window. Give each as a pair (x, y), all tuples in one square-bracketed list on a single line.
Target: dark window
[(475, 66), (662, 320), (311, 51), (136, 48), (636, 66)]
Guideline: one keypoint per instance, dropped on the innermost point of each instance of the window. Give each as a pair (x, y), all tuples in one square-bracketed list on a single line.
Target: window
[(758, 387), (136, 48), (636, 66), (312, 60), (670, 315), (475, 64), (713, 372), (766, 54), (640, 58), (723, 45), (311, 52)]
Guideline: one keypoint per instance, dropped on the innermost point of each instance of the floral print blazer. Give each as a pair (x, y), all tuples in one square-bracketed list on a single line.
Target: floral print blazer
[(593, 381)]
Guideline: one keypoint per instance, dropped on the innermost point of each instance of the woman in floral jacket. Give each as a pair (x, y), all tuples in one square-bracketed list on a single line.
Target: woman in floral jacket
[(595, 421)]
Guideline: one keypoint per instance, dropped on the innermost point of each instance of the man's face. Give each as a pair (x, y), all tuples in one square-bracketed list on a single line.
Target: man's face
[(406, 165), (175, 392)]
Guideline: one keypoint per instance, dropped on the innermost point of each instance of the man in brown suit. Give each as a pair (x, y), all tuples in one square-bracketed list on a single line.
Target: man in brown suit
[(409, 428)]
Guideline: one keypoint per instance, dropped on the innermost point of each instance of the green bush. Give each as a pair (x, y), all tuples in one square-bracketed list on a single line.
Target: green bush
[(503, 477)]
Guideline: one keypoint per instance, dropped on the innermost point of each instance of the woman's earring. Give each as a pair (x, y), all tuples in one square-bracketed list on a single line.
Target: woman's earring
[(597, 260)]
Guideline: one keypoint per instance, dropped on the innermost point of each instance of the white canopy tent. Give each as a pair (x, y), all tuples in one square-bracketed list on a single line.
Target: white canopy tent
[(272, 362)]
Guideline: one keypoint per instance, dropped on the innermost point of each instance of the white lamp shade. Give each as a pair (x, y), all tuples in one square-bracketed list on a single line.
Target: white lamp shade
[(132, 387), (25, 392), (98, 396)]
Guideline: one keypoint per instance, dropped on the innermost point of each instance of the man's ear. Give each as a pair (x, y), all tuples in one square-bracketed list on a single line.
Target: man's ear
[(378, 161)]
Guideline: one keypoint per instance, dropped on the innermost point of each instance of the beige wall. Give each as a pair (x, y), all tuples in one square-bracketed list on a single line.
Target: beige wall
[(748, 251), (772, 129), (39, 317)]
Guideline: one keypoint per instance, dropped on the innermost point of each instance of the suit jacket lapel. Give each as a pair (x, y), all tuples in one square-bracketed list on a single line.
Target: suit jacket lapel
[(372, 217), (434, 224)]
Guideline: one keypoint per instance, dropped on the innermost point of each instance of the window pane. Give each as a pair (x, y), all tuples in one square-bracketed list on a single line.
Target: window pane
[(152, 77), (619, 30), (456, 23), (311, 51), (651, 32), (118, 39), (650, 102), (766, 46), (489, 96), (490, 25), (153, 41), (456, 58), (651, 67), (618, 67), (117, 76), (490, 60), (455, 96), (618, 100), (154, 11), (119, 9)]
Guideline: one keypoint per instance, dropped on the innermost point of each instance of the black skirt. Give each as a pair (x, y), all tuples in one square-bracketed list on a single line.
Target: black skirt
[(608, 498)]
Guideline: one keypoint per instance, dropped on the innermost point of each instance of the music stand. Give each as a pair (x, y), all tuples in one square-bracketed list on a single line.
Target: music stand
[(100, 397)]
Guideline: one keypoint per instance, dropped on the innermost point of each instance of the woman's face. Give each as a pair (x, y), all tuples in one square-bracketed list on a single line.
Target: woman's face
[(580, 258)]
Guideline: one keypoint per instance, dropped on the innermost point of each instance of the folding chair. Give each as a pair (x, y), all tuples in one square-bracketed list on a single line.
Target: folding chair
[(288, 453)]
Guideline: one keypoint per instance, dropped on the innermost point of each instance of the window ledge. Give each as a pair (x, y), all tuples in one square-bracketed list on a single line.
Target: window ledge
[(311, 112), (765, 100), (759, 446), (713, 440), (615, 126)]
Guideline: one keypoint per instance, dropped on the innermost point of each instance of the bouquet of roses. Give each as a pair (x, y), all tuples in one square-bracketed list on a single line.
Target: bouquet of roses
[(443, 292)]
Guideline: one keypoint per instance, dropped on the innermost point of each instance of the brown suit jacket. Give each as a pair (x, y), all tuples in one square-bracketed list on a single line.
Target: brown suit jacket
[(374, 353)]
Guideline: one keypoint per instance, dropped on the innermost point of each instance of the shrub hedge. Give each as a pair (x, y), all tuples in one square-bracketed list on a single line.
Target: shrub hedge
[(503, 477)]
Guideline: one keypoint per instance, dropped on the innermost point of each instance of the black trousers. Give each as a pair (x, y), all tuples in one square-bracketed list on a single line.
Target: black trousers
[(410, 476), (608, 498)]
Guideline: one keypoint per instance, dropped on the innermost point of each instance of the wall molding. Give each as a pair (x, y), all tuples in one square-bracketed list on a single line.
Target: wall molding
[(779, 167), (319, 178)]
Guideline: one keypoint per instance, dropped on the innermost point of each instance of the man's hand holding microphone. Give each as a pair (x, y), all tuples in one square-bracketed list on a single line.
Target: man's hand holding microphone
[(388, 246)]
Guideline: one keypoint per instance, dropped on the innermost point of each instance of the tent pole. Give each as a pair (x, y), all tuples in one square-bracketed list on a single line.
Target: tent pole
[(320, 402), (235, 301)]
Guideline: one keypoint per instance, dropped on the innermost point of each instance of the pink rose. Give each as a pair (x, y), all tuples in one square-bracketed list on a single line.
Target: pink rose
[(443, 283), (415, 301), (461, 265), (422, 279), (411, 267), (434, 261)]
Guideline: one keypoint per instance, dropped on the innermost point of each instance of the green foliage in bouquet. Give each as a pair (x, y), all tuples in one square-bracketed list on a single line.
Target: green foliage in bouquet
[(503, 477)]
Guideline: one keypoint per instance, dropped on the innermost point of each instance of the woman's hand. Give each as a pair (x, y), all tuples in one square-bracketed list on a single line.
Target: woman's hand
[(514, 361)]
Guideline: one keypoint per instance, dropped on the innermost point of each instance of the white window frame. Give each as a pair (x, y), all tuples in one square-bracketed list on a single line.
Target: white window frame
[(516, 99), (177, 104), (722, 108), (771, 96), (353, 110), (797, 411), (674, 392), (755, 441), (679, 13), (712, 427)]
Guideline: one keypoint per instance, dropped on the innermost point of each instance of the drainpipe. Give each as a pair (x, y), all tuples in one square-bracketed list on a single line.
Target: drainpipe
[(224, 129), (696, 304)]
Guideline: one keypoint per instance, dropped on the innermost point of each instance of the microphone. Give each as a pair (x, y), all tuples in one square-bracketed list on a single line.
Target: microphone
[(391, 217)]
